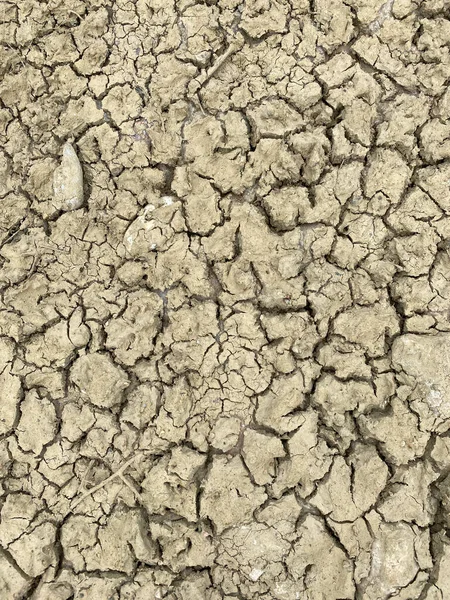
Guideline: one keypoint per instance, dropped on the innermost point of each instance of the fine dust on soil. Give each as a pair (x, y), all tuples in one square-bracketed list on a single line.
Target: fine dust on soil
[(225, 287)]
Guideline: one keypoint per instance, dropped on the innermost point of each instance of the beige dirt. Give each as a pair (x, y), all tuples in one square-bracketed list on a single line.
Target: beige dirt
[(224, 299)]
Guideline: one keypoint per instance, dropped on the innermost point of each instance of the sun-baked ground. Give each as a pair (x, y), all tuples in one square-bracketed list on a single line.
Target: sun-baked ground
[(225, 354)]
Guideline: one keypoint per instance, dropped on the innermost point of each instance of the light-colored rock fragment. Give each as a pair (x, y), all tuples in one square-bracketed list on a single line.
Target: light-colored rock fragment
[(68, 181), (423, 364), (152, 230), (398, 552)]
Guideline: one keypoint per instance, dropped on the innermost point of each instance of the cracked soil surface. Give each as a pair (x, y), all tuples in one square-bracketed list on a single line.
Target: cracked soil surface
[(225, 299)]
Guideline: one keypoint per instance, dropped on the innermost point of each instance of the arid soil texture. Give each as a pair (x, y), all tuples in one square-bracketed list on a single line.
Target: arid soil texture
[(225, 299)]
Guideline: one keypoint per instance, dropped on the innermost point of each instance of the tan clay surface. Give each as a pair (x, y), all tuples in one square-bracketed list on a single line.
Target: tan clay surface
[(224, 299)]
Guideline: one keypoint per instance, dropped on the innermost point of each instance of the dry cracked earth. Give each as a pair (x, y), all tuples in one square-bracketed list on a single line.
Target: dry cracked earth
[(224, 310)]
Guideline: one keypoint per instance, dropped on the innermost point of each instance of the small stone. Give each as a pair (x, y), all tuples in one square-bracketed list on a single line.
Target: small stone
[(68, 181)]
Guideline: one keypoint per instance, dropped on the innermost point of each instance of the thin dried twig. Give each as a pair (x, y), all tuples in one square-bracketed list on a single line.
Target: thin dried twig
[(102, 484), (132, 487), (234, 46)]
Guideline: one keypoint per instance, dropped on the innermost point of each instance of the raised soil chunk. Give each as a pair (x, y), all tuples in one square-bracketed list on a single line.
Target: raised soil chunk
[(229, 497), (99, 380)]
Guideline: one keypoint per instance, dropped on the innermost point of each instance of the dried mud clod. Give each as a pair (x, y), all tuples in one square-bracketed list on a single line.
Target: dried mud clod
[(224, 301)]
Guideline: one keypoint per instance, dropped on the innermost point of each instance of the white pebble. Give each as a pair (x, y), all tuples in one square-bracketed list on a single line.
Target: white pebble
[(68, 181), (256, 574)]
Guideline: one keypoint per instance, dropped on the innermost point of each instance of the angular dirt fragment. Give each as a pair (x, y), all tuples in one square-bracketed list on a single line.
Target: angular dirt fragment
[(398, 553), (10, 388), (225, 433), (37, 424), (99, 380), (439, 590), (253, 551), (309, 458), (13, 583), (52, 348), (278, 408), (370, 327), (35, 551), (183, 546), (141, 405), (337, 398), (131, 335), (229, 497), (257, 22), (170, 485), (259, 452), (274, 118), (120, 542), (319, 564), (409, 495), (345, 495), (398, 431)]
